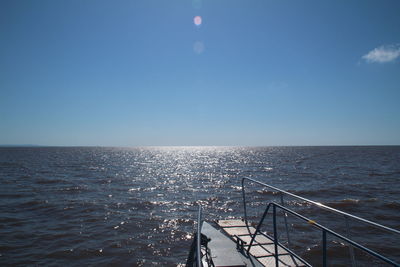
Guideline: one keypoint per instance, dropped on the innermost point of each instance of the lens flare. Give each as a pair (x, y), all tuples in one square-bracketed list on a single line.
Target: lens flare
[(197, 21), (196, 4), (198, 47)]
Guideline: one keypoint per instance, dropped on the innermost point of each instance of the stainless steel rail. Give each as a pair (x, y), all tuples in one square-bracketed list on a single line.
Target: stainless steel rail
[(324, 229), (320, 205), (198, 246)]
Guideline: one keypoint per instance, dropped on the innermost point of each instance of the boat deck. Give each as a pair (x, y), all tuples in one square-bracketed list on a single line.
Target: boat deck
[(227, 242), (263, 248)]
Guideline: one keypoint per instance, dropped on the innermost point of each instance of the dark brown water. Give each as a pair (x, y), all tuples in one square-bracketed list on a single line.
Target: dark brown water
[(136, 206)]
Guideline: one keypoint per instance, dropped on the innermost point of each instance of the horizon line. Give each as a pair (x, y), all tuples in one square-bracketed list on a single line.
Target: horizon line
[(154, 146)]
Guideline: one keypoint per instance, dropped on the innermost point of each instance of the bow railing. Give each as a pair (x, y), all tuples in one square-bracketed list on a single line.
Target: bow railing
[(325, 230)]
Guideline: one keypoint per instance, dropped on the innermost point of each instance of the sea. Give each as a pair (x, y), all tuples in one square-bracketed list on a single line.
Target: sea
[(103, 206)]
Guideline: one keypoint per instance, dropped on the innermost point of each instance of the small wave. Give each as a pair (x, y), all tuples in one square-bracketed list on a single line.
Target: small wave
[(32, 203), (5, 220), (11, 164), (236, 188), (267, 192), (344, 203), (392, 205), (49, 181), (329, 191), (337, 253), (310, 192), (14, 195), (73, 189), (374, 173)]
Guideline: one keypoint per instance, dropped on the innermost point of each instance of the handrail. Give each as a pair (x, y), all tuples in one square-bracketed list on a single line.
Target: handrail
[(324, 229), (275, 239), (198, 246), (320, 205), (327, 230)]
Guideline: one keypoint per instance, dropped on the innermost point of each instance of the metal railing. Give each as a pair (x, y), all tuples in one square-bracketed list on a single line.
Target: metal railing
[(198, 245), (325, 230)]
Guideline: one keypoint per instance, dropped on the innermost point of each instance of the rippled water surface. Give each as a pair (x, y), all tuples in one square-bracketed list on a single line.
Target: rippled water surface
[(137, 206)]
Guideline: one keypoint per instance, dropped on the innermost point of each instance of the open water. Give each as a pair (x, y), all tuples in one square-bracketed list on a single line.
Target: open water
[(137, 206)]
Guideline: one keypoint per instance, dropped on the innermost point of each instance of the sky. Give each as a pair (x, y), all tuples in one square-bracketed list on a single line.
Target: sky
[(199, 72)]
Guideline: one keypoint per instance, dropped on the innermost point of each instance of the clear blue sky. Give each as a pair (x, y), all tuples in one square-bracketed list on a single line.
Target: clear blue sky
[(255, 72)]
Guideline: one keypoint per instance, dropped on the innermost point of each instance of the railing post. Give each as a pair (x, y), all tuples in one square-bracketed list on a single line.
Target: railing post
[(351, 249), (275, 237), (257, 229), (285, 215), (198, 246), (324, 246), (244, 202)]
